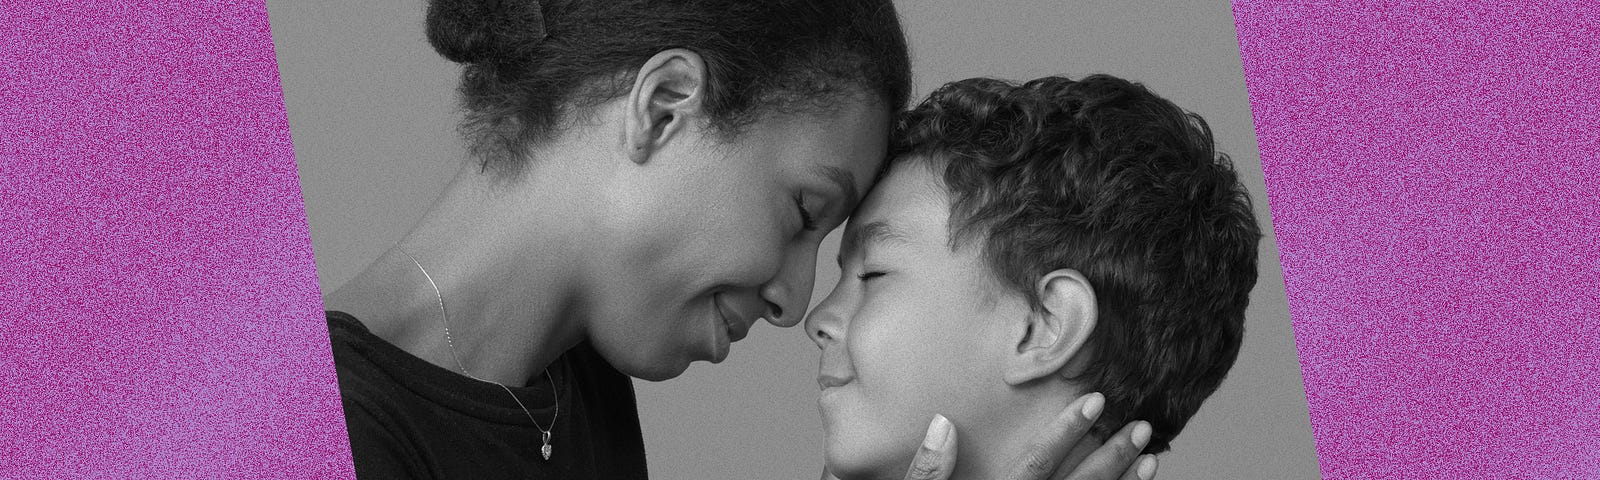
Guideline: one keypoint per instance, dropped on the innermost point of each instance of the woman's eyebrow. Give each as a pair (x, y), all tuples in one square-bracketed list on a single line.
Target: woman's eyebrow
[(841, 178)]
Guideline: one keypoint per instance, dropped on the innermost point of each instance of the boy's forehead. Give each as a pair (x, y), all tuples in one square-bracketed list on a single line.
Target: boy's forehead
[(909, 205)]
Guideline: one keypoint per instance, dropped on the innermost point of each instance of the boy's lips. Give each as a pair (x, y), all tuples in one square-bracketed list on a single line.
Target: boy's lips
[(829, 381), (834, 368)]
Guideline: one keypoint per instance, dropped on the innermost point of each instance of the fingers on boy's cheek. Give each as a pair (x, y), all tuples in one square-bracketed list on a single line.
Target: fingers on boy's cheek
[(1126, 452), (1140, 435), (1128, 443), (1038, 462), (925, 466), (1145, 467)]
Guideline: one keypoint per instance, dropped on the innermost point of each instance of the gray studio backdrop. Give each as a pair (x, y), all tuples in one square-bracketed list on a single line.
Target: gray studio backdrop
[(372, 110)]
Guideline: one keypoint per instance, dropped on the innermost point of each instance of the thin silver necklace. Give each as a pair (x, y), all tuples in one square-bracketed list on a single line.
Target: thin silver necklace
[(445, 319)]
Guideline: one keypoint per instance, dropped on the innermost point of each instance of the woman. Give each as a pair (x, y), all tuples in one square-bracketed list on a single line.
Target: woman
[(649, 180)]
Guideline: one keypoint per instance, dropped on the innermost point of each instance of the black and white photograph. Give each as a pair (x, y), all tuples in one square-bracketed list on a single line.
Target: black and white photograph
[(848, 239)]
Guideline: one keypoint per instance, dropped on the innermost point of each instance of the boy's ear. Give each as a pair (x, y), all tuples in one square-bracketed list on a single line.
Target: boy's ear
[(669, 90), (1050, 337)]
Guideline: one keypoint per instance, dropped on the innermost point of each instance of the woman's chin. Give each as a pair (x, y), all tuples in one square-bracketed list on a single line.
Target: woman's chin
[(655, 371)]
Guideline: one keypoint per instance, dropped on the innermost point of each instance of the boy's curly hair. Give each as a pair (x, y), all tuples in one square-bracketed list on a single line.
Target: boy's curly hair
[(1104, 177)]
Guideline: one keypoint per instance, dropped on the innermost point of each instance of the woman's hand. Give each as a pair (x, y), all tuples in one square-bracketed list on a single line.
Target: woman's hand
[(1117, 459)]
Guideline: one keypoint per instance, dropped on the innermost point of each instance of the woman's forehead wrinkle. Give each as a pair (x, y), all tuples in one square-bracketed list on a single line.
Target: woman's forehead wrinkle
[(841, 178)]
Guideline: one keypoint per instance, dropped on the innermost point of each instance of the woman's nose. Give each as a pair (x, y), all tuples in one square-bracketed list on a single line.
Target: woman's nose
[(774, 310), (789, 292)]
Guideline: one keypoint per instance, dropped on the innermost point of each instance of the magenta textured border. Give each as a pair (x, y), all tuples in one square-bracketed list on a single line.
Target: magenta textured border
[(159, 310), (1432, 171)]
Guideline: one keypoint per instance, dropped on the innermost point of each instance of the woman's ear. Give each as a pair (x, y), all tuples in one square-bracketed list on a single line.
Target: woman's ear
[(1049, 338), (669, 89)]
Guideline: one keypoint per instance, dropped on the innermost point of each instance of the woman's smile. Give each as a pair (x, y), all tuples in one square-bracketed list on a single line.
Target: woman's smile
[(720, 339), (733, 325)]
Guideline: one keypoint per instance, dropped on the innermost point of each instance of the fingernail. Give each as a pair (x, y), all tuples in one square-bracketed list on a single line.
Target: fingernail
[(1147, 467), (938, 431), (1141, 435), (1093, 405)]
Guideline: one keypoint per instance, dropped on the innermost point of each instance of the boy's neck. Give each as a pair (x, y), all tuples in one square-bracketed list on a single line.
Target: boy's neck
[(993, 449)]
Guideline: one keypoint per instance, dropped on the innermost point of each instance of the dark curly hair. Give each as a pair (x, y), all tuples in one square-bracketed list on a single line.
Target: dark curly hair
[(530, 63), (1104, 177)]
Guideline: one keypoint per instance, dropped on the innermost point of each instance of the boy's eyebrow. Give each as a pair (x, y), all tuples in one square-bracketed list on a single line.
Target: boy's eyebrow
[(841, 178), (879, 231)]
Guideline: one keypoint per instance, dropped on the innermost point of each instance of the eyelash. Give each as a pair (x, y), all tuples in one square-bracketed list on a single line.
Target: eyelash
[(869, 275), (806, 220)]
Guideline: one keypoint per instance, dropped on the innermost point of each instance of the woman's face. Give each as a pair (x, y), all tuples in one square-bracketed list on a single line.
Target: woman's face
[(711, 235)]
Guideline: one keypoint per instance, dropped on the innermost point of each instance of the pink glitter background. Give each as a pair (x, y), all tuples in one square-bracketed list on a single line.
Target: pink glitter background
[(1431, 171), (1432, 176), (159, 310)]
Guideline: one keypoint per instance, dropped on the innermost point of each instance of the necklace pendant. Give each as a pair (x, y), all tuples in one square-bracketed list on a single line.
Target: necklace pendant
[(545, 450)]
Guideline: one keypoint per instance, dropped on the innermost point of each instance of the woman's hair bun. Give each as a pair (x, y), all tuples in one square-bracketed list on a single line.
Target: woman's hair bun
[(482, 31)]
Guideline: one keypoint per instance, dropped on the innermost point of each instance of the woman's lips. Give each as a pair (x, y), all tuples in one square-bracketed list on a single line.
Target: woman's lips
[(732, 329), (720, 343), (736, 323), (735, 315)]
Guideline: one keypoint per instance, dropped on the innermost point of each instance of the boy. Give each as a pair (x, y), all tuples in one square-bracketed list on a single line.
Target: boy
[(1026, 246)]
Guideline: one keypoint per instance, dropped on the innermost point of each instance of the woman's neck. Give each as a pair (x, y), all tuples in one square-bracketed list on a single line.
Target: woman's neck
[(503, 260)]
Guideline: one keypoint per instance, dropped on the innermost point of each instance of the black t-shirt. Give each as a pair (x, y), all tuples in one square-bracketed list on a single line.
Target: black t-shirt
[(410, 419)]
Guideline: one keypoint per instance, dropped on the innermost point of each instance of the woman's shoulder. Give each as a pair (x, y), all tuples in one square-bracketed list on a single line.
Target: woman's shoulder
[(379, 448), (364, 380), (357, 354)]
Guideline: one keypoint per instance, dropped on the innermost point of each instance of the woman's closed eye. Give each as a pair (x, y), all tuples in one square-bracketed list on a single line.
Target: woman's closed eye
[(807, 222)]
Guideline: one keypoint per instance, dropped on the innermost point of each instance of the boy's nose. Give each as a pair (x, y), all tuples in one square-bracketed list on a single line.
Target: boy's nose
[(823, 325)]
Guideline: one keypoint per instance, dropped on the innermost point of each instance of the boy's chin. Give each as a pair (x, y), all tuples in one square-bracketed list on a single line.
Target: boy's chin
[(864, 460), (850, 471)]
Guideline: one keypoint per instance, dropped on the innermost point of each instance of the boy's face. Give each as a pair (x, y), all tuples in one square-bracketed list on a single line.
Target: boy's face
[(911, 330)]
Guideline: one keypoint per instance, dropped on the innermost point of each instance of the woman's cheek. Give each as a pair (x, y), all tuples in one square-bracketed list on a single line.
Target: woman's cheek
[(757, 254)]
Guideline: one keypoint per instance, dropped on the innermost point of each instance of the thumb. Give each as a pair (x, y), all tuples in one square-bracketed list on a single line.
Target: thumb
[(936, 458)]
